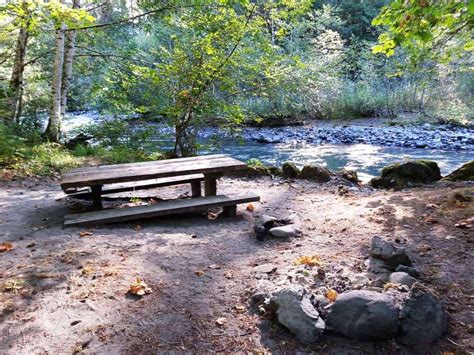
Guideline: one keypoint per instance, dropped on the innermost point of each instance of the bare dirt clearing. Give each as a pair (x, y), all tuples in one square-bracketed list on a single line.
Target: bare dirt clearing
[(62, 292)]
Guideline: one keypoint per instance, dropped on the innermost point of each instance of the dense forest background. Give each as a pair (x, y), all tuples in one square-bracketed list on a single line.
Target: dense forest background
[(228, 63)]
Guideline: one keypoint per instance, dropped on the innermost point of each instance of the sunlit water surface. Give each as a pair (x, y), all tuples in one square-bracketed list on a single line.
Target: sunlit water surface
[(367, 160)]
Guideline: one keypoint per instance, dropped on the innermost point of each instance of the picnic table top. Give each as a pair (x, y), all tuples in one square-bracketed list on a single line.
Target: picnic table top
[(109, 174)]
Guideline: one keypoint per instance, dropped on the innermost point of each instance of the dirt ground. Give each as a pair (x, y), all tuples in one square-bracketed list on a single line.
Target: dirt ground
[(61, 292)]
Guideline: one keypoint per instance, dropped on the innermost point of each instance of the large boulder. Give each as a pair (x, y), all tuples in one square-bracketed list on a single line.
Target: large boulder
[(315, 173), (290, 170), (410, 173), (364, 315), (423, 318), (464, 173), (386, 251), (297, 314)]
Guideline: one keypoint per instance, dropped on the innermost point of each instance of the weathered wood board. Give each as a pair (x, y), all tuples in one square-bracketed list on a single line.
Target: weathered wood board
[(163, 208)]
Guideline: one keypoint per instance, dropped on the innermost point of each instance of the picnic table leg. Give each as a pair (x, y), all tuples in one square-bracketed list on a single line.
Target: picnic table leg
[(96, 192), (210, 184), (196, 189), (230, 211)]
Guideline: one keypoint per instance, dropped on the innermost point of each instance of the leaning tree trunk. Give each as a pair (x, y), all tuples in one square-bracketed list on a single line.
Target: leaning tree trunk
[(70, 48), (54, 125), (15, 91)]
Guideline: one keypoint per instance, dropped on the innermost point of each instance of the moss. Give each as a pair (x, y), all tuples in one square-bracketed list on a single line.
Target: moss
[(315, 173), (290, 170), (410, 173), (464, 173)]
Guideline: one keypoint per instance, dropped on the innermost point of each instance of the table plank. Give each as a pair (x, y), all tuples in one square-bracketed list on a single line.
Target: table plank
[(160, 209), (151, 170), (90, 169)]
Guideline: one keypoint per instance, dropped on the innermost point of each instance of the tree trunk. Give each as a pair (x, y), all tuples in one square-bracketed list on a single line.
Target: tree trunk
[(16, 82), (69, 50), (54, 125)]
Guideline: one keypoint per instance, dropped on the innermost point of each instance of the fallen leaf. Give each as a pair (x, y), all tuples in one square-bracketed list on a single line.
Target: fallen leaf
[(239, 308), (331, 295), (6, 247), (221, 321), (214, 266), (310, 260), (389, 285), (137, 227), (85, 234), (250, 207), (139, 288), (199, 273)]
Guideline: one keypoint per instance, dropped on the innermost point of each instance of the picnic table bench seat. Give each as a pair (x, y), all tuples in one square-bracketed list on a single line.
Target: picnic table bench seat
[(162, 208), (195, 181)]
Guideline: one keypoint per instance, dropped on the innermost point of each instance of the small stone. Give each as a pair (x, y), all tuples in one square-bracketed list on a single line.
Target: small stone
[(423, 318), (364, 315), (386, 251), (289, 231), (402, 278), (378, 268), (297, 314), (409, 270), (265, 268)]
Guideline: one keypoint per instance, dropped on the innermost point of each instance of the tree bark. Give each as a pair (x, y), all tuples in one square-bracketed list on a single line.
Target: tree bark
[(16, 82), (69, 51), (54, 125)]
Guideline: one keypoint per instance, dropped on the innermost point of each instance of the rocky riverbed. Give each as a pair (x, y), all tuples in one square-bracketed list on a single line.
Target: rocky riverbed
[(414, 136)]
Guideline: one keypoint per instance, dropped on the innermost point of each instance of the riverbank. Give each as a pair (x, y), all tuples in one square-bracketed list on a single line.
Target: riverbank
[(64, 290)]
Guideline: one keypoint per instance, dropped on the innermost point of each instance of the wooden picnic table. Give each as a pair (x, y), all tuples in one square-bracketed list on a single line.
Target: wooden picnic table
[(134, 176)]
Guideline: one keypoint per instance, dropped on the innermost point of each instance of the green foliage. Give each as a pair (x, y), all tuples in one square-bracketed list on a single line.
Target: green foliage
[(427, 28)]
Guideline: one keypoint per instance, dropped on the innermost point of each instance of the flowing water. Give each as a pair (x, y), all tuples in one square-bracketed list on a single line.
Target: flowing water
[(367, 160)]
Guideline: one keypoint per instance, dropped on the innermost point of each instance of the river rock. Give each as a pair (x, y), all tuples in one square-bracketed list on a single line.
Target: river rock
[(410, 173), (423, 318), (288, 231), (377, 269), (315, 173), (464, 173), (402, 278), (386, 251), (409, 270), (290, 170), (364, 315), (297, 314), (349, 175)]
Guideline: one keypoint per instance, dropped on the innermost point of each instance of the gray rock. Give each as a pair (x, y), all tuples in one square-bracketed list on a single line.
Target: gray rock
[(266, 219), (265, 268), (379, 268), (423, 318), (297, 314), (364, 315), (409, 270), (288, 231), (386, 251), (402, 278)]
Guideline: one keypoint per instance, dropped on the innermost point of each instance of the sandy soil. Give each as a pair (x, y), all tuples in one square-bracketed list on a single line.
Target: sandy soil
[(62, 293)]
